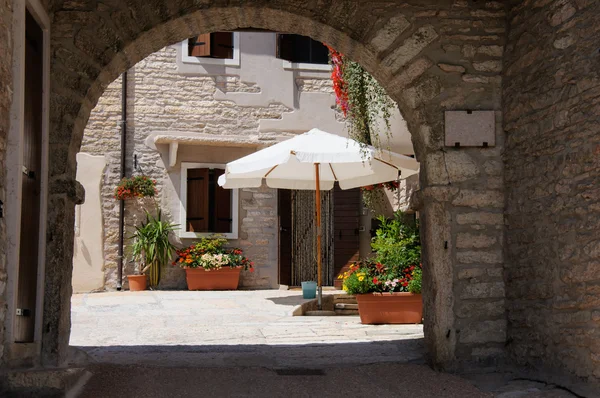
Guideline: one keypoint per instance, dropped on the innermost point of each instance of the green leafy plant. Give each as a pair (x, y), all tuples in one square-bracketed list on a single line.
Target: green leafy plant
[(151, 248), (396, 264), (397, 243), (210, 253), (415, 285), (135, 187), (367, 109)]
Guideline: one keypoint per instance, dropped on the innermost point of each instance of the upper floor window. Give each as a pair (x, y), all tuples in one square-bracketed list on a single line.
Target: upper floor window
[(212, 45), (219, 48), (301, 50)]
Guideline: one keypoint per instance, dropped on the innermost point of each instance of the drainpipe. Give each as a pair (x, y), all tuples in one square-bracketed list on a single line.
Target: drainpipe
[(122, 202)]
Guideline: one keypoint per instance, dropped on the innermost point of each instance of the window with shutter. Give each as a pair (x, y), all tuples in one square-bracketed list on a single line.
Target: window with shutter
[(301, 49), (197, 200), (212, 45), (207, 208)]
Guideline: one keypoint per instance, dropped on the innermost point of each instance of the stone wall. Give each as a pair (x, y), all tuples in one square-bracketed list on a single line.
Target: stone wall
[(5, 103), (552, 119), (162, 100)]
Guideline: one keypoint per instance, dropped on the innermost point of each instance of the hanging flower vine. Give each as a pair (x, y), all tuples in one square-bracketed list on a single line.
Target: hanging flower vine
[(367, 109)]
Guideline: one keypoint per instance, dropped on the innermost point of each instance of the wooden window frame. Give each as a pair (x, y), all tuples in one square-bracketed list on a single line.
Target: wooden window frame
[(289, 65), (235, 203), (235, 61)]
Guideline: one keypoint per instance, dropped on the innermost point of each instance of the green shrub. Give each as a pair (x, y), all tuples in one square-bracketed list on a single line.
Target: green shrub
[(396, 264)]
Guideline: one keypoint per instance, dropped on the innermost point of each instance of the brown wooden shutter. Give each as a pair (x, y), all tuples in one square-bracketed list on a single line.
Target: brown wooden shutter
[(200, 46), (223, 210), (285, 47), (197, 200), (222, 45)]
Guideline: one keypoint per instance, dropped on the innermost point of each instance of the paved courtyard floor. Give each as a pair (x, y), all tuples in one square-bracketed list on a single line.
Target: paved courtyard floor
[(247, 344), (246, 328)]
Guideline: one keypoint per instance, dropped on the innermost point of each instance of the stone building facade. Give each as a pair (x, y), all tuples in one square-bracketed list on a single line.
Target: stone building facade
[(186, 110), (511, 230)]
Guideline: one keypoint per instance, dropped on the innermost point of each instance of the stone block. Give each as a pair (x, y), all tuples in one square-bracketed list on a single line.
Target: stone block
[(482, 290), (411, 47), (484, 332), (469, 273), (390, 32), (479, 199), (488, 66), (480, 308), (481, 218), (474, 241), (452, 68)]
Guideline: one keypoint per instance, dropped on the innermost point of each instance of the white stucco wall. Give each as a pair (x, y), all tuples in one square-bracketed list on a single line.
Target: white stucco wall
[(88, 257)]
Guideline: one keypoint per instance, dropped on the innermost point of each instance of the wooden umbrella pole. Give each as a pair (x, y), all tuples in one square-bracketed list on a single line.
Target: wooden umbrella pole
[(318, 205)]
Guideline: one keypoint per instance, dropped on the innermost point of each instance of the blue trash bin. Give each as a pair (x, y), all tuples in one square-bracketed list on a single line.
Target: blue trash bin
[(309, 290)]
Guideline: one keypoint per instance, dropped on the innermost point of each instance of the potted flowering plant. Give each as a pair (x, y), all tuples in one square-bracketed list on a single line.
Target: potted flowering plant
[(135, 187), (388, 286), (385, 294), (211, 266)]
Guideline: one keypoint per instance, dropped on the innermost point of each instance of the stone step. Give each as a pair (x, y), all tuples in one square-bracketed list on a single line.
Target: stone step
[(346, 306), (346, 312), (320, 313), (343, 297)]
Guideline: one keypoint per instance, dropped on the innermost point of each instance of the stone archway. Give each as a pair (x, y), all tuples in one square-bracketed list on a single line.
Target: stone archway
[(430, 56)]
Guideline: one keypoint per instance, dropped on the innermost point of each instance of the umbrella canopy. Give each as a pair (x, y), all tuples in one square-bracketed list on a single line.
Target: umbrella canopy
[(316, 160), (290, 164)]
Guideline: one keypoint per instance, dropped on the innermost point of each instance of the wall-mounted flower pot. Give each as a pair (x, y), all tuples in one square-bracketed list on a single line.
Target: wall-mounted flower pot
[(137, 282), (220, 279), (381, 308)]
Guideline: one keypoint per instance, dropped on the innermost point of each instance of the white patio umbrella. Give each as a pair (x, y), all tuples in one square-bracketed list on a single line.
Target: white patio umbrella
[(316, 160)]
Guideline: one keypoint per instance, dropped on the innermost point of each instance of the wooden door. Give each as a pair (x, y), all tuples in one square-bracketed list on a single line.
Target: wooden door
[(31, 177), (346, 212), (284, 215)]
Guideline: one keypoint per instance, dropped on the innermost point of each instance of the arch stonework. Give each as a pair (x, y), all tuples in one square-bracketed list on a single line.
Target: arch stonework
[(430, 56)]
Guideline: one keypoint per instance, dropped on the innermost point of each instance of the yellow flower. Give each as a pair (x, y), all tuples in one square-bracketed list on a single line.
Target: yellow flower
[(361, 278), (344, 288)]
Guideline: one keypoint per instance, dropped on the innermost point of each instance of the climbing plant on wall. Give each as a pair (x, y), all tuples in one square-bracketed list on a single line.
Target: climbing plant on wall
[(366, 107)]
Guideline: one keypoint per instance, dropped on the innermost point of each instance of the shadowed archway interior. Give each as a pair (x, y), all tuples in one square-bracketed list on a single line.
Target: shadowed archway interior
[(417, 52)]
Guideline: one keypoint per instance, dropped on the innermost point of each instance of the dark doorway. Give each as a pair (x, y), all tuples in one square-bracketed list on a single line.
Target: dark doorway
[(346, 219), (31, 177), (284, 213), (341, 216)]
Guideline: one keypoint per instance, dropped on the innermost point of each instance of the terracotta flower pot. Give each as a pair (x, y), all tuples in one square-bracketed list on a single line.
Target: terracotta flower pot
[(219, 279), (137, 282), (378, 308)]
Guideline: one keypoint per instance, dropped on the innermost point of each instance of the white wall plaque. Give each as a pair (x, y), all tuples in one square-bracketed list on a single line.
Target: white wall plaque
[(470, 128)]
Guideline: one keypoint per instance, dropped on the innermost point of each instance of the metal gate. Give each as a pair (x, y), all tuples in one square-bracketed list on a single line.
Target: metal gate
[(304, 237)]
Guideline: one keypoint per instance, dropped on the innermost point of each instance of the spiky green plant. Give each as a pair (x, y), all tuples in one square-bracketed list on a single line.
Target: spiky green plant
[(151, 248)]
